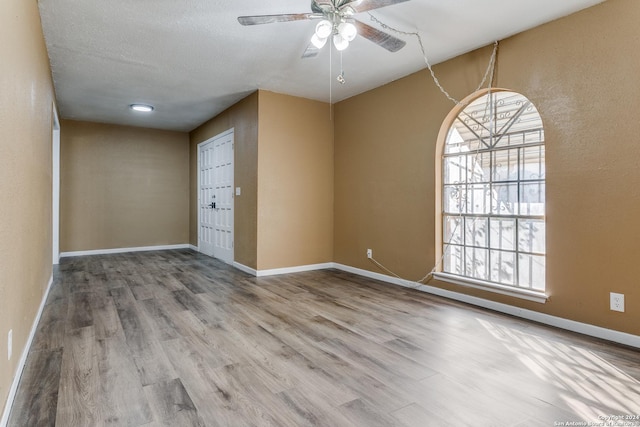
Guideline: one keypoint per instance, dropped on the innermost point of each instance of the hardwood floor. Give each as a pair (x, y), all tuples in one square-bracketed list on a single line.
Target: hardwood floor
[(174, 338)]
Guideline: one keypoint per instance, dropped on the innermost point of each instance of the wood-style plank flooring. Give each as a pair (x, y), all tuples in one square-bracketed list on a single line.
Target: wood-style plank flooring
[(174, 338)]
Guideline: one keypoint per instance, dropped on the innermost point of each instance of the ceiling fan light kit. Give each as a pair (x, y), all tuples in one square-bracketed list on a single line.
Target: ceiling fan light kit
[(343, 32)]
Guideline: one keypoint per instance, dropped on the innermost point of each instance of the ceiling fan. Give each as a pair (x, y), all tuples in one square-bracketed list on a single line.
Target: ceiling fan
[(337, 23)]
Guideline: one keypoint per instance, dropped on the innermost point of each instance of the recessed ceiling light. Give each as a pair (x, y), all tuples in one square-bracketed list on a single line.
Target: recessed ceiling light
[(143, 108)]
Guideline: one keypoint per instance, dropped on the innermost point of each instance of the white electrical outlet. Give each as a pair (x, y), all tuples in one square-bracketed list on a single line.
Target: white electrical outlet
[(9, 344), (617, 302), (369, 253)]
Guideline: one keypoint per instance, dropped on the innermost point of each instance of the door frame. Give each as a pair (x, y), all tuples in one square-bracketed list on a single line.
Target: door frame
[(198, 193), (55, 185)]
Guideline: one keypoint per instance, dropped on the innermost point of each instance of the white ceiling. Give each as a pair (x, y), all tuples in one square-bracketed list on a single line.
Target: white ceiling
[(191, 59)]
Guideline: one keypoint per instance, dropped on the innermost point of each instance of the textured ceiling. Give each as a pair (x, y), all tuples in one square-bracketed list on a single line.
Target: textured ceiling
[(191, 59)]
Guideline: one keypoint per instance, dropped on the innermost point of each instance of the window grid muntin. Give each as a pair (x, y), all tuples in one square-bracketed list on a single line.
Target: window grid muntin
[(523, 142)]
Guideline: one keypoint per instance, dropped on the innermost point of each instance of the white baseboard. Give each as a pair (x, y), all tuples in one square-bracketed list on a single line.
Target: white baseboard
[(246, 269), (23, 358), (124, 250), (194, 248), (373, 275), (285, 270), (558, 322), (296, 269)]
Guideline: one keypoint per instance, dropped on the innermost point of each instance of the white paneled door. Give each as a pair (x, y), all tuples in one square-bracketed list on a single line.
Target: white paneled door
[(215, 199)]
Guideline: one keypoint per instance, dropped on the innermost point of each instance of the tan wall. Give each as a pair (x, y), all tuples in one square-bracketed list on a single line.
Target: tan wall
[(243, 117), (581, 73), (25, 178), (295, 182), (122, 187)]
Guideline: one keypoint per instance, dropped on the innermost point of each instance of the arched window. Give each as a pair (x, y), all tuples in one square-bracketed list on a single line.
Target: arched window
[(493, 194)]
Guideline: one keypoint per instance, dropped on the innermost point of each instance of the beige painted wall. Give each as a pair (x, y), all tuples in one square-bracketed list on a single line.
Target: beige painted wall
[(581, 72), (295, 182), (122, 187), (243, 117), (285, 174), (25, 178)]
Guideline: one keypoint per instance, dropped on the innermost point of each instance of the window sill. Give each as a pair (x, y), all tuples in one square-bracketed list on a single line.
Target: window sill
[(535, 296)]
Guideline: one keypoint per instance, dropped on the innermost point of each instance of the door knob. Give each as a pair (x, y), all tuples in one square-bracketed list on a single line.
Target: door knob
[(212, 205)]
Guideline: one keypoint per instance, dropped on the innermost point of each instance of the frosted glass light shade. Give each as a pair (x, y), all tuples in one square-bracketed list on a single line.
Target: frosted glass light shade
[(340, 42), (324, 29), (317, 41), (347, 30)]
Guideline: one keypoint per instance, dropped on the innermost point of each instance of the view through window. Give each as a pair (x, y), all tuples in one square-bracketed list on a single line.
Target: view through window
[(493, 193)]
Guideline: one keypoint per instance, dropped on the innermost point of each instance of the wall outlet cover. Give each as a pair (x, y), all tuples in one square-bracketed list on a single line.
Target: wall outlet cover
[(617, 302)]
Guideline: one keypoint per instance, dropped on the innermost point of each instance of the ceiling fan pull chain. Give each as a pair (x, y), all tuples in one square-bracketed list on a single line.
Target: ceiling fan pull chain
[(330, 85), (340, 77)]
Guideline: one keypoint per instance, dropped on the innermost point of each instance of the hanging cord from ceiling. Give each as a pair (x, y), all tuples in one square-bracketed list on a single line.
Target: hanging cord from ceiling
[(330, 85), (488, 75), (427, 277)]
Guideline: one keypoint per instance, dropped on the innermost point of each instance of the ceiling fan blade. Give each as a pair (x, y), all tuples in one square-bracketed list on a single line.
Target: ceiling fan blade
[(310, 52), (365, 5), (268, 19), (385, 40)]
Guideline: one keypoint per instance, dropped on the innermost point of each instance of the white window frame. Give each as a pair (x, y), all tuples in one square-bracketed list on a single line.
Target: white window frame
[(507, 115)]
